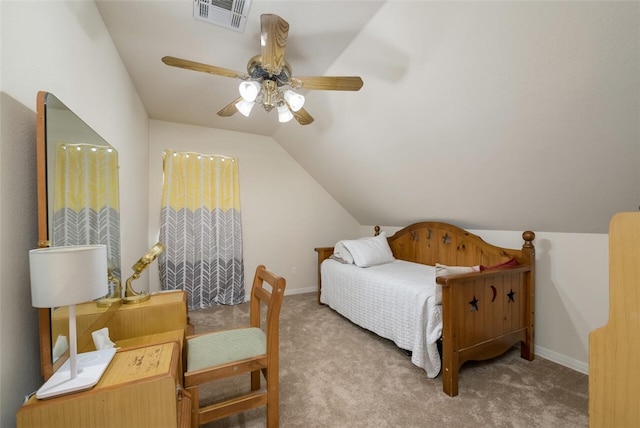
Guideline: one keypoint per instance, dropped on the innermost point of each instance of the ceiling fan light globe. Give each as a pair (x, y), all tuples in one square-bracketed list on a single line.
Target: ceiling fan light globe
[(284, 115), (249, 90), (294, 99), (244, 107)]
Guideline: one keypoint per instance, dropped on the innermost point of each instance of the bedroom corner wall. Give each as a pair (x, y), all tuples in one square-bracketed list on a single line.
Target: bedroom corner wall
[(62, 47), (285, 212)]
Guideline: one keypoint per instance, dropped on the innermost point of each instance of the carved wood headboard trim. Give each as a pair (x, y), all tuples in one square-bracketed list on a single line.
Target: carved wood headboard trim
[(436, 242)]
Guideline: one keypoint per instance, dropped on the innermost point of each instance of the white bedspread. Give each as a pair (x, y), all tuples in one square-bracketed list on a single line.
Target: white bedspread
[(396, 300)]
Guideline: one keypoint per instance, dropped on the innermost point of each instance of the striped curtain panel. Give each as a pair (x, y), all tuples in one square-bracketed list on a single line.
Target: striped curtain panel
[(201, 228), (86, 208)]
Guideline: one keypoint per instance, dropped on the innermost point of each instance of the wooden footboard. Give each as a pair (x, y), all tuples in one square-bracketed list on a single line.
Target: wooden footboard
[(484, 313)]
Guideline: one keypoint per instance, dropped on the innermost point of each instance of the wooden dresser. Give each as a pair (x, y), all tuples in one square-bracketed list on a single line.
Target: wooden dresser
[(142, 387), (614, 350)]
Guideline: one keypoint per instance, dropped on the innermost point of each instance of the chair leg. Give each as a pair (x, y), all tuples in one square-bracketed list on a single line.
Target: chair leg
[(273, 399), (195, 407)]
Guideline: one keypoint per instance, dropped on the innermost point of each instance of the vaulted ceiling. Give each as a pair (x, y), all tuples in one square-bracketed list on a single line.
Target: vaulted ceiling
[(490, 115)]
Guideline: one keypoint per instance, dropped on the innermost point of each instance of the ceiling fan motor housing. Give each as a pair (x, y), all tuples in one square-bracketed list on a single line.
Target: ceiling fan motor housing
[(257, 72)]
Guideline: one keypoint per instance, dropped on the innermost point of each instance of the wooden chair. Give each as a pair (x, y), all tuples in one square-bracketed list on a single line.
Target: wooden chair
[(218, 355)]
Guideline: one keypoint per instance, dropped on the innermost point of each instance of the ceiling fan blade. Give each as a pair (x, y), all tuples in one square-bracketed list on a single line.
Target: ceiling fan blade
[(230, 109), (302, 116), (196, 66), (328, 83), (273, 39)]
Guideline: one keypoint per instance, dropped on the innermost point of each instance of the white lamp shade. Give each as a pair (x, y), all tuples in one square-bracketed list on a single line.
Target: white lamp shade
[(284, 115), (294, 99), (244, 107), (249, 90), (62, 276)]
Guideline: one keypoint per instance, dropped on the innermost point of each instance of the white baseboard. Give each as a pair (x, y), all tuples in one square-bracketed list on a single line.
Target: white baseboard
[(247, 296), (301, 291), (563, 360)]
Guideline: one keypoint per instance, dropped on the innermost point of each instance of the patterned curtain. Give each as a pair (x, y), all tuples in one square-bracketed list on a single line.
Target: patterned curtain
[(86, 208), (201, 228)]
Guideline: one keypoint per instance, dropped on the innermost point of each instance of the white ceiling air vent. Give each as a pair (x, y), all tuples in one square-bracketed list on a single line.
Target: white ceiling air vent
[(226, 13)]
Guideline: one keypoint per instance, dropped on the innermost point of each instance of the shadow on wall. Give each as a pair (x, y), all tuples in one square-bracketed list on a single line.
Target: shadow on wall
[(558, 318), (20, 367)]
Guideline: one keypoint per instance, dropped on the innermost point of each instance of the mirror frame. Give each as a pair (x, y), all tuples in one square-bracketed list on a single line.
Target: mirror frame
[(47, 365)]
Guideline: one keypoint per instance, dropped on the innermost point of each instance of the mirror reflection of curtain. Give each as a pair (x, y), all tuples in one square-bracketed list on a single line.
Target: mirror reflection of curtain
[(86, 204), (201, 228)]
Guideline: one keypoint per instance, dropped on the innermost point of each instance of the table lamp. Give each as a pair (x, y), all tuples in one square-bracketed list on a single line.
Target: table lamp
[(66, 276)]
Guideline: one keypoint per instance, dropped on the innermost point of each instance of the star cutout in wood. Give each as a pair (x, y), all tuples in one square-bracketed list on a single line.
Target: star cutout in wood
[(446, 238), (511, 294), (474, 304)]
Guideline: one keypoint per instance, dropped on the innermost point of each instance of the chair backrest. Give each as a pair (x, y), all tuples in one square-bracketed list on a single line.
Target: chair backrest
[(273, 301)]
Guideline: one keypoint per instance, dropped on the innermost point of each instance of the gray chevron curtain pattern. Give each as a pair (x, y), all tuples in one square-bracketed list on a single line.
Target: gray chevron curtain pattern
[(201, 227), (86, 207)]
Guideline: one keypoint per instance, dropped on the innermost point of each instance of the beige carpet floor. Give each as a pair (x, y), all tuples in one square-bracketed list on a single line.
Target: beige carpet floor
[(336, 374)]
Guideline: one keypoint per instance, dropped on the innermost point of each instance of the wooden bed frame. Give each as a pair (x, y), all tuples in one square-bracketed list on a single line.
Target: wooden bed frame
[(484, 313)]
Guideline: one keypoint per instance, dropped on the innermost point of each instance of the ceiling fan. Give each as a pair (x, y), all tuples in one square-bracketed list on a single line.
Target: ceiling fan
[(268, 80)]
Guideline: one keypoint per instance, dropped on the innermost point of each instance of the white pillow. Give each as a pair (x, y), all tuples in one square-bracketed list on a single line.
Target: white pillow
[(341, 253), (444, 270), (369, 251)]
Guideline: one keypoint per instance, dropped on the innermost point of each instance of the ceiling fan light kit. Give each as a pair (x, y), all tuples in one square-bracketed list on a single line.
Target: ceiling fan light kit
[(249, 90), (245, 107), (284, 114), (268, 95), (294, 99), (268, 80)]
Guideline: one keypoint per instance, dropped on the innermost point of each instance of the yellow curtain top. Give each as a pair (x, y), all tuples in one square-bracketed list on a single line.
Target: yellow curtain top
[(195, 180)]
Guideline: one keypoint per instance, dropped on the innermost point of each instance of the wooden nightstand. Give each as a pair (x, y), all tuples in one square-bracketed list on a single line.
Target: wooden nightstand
[(140, 388)]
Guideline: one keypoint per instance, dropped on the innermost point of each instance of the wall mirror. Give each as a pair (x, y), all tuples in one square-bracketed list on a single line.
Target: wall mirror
[(78, 204)]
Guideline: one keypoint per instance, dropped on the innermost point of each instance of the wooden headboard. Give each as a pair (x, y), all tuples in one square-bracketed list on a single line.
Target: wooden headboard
[(435, 242)]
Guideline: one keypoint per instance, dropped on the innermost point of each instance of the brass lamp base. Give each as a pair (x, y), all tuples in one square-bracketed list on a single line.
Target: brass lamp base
[(130, 295), (138, 298), (114, 297), (106, 302)]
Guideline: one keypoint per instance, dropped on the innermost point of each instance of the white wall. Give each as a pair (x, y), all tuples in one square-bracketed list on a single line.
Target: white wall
[(572, 289), (61, 47), (285, 212)]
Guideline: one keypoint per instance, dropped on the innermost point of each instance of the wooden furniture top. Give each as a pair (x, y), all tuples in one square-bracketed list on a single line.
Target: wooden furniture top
[(130, 324), (135, 364), (137, 389), (614, 374)]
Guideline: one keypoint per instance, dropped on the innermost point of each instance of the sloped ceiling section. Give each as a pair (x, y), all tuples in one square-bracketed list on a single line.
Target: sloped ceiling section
[(496, 115), (490, 115)]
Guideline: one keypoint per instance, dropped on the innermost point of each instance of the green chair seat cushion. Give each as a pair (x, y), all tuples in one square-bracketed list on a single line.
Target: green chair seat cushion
[(212, 349)]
